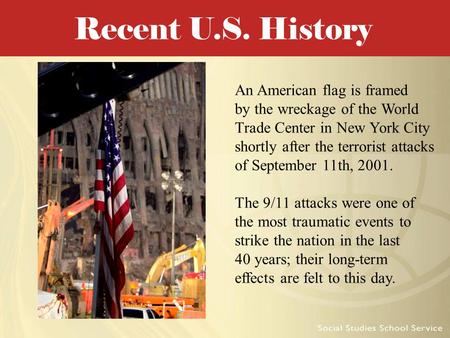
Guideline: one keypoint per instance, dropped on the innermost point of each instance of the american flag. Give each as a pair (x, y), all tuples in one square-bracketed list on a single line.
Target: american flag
[(114, 217)]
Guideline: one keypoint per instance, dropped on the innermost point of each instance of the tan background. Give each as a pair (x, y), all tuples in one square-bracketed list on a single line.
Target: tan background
[(421, 264)]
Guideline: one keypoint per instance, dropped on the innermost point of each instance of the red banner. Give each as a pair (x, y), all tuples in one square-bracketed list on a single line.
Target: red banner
[(189, 28)]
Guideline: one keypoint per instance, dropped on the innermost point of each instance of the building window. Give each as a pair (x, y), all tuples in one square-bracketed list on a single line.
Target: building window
[(69, 162), (144, 143), (70, 138), (60, 137), (88, 164), (88, 140), (127, 142), (132, 198), (41, 160)]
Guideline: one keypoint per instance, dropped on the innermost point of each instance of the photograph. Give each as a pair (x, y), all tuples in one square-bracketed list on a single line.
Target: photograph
[(121, 190)]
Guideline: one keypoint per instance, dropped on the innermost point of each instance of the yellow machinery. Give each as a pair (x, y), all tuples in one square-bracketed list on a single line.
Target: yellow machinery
[(182, 254), (51, 226), (190, 303)]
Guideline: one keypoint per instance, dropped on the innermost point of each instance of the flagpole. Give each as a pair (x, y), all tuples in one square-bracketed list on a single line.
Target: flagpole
[(98, 239)]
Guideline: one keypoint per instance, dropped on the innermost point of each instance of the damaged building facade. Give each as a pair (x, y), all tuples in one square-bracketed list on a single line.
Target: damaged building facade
[(161, 125)]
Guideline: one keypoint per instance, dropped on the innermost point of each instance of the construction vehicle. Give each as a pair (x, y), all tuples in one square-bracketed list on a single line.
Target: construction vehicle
[(161, 296), (50, 227), (182, 254), (166, 307), (50, 242)]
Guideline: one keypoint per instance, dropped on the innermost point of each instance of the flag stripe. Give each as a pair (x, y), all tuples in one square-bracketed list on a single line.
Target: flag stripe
[(123, 226), (120, 215), (125, 239), (118, 187)]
